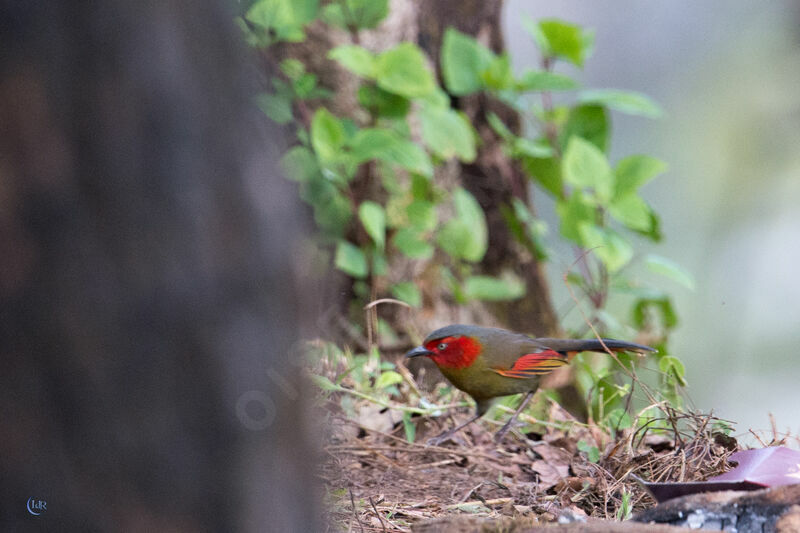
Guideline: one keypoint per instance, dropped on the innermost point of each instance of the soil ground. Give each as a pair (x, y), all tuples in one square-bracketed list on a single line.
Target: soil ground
[(379, 481)]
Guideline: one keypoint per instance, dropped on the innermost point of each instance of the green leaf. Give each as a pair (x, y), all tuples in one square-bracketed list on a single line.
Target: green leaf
[(539, 149), (498, 76), (662, 304), (465, 236), (305, 87), (557, 38), (256, 37), (634, 171), (618, 419), (402, 70), (285, 19), (331, 210), (278, 107), (383, 103), (670, 269), (542, 80), (654, 233), (438, 98), (488, 288), (526, 228), (293, 68), (463, 59), (632, 211), (611, 248), (388, 146), (323, 383), (333, 14), (421, 187), (546, 171), (411, 243), (364, 14), (585, 165), (354, 58), (629, 102), (455, 238), (409, 427), (351, 260), (589, 122), (674, 367), (327, 134), (379, 265), (300, 164), (500, 127), (387, 379), (396, 205), (407, 292), (447, 133), (373, 218), (422, 215), (574, 212), (592, 453)]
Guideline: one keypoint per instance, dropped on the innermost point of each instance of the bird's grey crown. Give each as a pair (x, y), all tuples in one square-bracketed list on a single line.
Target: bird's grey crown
[(460, 330)]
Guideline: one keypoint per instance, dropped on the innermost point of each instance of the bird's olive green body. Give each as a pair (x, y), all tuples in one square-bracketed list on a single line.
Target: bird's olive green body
[(493, 351), (484, 384)]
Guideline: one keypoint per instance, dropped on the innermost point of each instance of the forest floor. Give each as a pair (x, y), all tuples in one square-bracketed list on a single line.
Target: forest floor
[(379, 481)]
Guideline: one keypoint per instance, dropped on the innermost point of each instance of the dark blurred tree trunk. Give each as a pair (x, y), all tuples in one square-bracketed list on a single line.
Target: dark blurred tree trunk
[(146, 278)]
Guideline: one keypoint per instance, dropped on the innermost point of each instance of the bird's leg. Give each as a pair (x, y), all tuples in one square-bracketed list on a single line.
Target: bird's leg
[(503, 430), (436, 441)]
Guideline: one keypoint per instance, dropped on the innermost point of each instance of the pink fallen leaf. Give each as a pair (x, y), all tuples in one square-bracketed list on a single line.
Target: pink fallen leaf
[(767, 467), (756, 469)]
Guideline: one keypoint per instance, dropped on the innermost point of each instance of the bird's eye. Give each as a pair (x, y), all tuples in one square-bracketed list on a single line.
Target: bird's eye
[(442, 346)]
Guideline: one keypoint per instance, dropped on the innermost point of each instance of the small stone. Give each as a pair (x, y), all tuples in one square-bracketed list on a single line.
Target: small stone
[(695, 520)]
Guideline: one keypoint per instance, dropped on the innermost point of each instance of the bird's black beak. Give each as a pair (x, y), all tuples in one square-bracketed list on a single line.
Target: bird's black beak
[(419, 350)]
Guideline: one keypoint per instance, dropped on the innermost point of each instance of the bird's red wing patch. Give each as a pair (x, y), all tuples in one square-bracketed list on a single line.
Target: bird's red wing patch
[(534, 364)]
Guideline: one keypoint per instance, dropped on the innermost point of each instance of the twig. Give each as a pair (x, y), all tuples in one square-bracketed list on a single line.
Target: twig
[(431, 465), (470, 492), (383, 526), (420, 448), (371, 315), (373, 303), (763, 444), (496, 501), (408, 377), (774, 426), (355, 514), (630, 374)]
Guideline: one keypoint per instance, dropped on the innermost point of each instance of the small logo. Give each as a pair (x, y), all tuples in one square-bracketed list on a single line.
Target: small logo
[(36, 507)]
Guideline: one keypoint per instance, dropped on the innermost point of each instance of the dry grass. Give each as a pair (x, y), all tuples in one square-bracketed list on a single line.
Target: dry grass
[(378, 481)]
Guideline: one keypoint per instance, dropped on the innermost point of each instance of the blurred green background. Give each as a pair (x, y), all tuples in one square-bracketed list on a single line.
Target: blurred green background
[(728, 77)]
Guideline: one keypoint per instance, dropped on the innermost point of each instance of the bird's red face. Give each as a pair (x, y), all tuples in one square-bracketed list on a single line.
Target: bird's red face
[(454, 352)]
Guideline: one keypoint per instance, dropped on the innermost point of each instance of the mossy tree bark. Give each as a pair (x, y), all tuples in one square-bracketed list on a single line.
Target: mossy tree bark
[(493, 178)]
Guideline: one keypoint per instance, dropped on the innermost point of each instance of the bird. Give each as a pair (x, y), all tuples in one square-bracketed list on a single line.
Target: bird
[(488, 363)]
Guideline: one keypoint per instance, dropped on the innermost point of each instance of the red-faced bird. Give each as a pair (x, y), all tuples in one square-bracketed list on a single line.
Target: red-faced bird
[(490, 362)]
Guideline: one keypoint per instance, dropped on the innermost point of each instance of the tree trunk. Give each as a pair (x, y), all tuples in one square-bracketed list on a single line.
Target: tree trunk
[(147, 287), (493, 178)]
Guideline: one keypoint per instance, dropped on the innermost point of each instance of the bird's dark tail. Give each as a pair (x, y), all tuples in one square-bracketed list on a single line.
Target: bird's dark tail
[(594, 345)]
